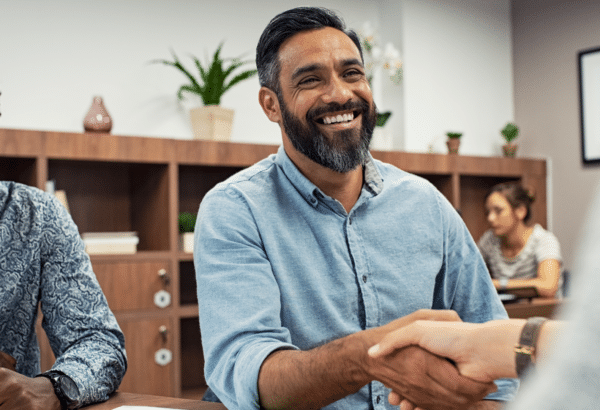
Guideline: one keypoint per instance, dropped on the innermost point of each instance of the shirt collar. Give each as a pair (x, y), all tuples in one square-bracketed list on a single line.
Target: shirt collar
[(312, 193)]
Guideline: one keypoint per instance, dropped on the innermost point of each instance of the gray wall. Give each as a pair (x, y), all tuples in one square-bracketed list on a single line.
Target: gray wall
[(547, 35)]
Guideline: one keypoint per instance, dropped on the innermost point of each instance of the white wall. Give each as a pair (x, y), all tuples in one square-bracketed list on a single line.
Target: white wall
[(458, 73), (56, 55)]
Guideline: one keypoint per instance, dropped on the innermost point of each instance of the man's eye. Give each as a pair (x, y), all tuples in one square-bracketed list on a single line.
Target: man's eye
[(354, 73), (308, 81)]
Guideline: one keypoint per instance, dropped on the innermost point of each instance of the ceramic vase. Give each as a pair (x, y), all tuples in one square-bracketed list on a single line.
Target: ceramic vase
[(97, 119)]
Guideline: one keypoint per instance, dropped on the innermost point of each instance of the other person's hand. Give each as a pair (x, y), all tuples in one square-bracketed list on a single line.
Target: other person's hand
[(427, 380), (18, 392), (482, 352), (421, 377)]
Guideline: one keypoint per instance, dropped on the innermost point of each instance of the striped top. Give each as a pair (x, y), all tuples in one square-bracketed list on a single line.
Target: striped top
[(540, 246)]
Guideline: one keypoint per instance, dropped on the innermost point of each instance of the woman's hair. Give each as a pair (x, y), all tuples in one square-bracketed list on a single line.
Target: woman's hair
[(516, 195), (284, 26)]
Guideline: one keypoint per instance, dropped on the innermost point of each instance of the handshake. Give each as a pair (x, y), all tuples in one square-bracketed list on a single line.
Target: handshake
[(456, 364)]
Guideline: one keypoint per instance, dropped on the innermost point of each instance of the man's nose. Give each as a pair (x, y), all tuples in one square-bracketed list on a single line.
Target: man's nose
[(338, 91)]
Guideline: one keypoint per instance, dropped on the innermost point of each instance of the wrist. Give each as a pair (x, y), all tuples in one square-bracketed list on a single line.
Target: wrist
[(65, 389), (526, 348), (500, 337)]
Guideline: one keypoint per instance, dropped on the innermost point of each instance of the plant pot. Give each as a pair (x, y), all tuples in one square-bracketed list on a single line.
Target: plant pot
[(186, 242), (509, 150), (211, 122), (453, 144)]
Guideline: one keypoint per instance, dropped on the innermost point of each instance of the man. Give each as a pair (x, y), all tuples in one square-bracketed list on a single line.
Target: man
[(43, 263), (311, 255)]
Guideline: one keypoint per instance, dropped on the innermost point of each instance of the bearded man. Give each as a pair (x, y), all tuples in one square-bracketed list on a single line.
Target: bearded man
[(311, 256)]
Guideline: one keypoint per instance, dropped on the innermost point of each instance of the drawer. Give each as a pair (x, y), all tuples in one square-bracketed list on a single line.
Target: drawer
[(130, 286)]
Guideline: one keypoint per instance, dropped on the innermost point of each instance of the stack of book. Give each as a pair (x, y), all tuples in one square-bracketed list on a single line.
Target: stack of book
[(97, 243)]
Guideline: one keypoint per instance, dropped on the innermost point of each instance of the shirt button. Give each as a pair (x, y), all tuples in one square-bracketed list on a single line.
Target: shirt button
[(378, 399), (350, 221), (364, 278)]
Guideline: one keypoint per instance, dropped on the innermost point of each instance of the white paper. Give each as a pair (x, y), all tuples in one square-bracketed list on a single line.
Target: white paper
[(142, 408)]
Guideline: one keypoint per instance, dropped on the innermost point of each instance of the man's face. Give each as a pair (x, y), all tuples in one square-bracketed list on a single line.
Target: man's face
[(326, 104)]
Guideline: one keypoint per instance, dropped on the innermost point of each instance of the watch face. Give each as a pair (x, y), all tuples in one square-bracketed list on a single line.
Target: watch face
[(69, 388)]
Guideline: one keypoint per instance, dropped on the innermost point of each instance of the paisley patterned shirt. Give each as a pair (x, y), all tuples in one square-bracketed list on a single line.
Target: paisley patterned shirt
[(43, 263)]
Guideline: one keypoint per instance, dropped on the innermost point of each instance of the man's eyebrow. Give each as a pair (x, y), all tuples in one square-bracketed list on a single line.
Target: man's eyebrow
[(316, 66), (306, 69)]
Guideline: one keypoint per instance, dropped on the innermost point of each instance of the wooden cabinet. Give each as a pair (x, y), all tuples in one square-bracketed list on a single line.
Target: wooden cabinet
[(141, 184)]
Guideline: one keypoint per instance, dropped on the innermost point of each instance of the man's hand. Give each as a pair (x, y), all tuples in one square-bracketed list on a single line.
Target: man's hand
[(18, 392), (428, 381), (7, 361)]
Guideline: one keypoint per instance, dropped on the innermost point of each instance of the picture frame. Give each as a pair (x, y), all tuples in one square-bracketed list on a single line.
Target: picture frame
[(589, 99)]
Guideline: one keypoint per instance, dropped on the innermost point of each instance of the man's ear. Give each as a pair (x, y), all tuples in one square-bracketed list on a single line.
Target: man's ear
[(270, 104)]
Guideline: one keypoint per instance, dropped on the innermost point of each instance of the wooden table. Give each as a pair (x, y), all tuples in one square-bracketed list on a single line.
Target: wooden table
[(523, 309), (132, 399)]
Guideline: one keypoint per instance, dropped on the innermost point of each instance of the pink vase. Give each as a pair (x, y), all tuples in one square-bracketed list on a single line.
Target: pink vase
[(97, 119)]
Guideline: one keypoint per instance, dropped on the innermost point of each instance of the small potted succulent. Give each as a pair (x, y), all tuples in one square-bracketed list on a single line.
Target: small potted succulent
[(211, 121), (187, 223), (509, 133), (453, 141)]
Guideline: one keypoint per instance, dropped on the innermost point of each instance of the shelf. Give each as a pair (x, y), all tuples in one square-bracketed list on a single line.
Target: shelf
[(141, 184)]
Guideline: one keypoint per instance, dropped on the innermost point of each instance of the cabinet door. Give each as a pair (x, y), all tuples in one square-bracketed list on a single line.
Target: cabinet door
[(131, 286), (149, 345)]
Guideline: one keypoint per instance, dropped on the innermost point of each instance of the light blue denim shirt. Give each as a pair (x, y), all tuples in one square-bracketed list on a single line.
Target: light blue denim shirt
[(281, 265)]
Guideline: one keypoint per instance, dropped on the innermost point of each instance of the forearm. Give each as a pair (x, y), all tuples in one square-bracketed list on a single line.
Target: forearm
[(500, 338), (315, 378), (487, 405), (544, 288)]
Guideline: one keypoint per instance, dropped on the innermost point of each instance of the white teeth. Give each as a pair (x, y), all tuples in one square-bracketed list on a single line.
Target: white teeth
[(338, 118)]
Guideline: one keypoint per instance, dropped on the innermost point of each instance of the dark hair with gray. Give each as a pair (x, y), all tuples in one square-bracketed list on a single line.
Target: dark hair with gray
[(516, 195), (284, 26)]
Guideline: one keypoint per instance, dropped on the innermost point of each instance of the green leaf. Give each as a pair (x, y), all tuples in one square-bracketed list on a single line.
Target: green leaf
[(212, 82), (382, 118)]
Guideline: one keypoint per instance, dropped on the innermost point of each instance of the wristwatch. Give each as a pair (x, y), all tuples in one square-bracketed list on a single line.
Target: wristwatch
[(64, 387), (525, 350)]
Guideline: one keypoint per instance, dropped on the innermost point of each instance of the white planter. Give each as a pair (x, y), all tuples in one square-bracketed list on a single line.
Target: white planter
[(186, 241), (211, 122)]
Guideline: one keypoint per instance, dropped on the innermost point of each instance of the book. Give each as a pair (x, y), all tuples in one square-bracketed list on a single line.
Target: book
[(105, 243)]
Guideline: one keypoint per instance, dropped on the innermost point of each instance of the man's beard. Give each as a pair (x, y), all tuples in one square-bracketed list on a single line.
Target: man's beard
[(345, 150)]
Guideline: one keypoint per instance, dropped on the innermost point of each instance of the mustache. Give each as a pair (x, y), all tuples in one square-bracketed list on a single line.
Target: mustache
[(360, 105)]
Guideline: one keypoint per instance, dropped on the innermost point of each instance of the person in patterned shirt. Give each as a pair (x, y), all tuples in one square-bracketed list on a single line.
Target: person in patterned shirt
[(43, 263)]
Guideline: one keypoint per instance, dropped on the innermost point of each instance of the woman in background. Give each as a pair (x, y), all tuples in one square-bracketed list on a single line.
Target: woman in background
[(517, 253)]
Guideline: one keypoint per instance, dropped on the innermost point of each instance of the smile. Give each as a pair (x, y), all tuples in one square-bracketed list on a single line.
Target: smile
[(337, 119)]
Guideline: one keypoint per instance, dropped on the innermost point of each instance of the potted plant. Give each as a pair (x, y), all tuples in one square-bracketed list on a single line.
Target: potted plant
[(211, 121), (509, 132), (187, 223), (453, 141)]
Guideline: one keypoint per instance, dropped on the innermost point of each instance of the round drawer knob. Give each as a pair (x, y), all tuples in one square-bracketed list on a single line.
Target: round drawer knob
[(162, 299), (163, 357)]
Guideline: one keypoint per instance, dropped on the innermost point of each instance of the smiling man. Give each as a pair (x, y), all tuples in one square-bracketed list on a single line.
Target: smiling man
[(311, 256)]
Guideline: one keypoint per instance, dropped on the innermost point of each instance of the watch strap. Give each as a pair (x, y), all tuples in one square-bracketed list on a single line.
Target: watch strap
[(66, 403), (525, 351)]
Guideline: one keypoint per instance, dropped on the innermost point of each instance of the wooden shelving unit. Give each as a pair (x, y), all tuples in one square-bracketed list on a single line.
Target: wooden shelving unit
[(140, 184)]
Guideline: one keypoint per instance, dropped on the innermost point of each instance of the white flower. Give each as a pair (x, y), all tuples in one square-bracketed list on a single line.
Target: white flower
[(388, 58)]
